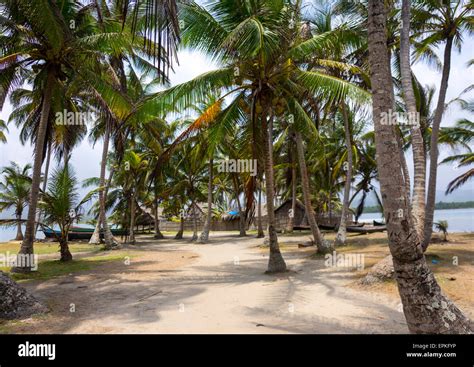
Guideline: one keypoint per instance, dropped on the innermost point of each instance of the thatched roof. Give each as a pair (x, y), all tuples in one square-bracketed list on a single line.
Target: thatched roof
[(299, 205)]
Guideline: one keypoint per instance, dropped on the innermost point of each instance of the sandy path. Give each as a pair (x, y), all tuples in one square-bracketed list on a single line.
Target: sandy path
[(214, 288)]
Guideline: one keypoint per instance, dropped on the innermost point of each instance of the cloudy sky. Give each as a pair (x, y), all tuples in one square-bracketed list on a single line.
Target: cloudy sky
[(86, 159)]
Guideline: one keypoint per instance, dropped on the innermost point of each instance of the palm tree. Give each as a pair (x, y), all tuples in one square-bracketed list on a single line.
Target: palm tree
[(366, 173), (204, 237), (463, 160), (341, 233), (61, 206), (3, 129), (254, 43), (440, 22), (15, 191), (134, 172), (442, 226), (424, 304), (419, 160), (211, 149), (152, 33), (47, 46), (461, 134), (318, 239)]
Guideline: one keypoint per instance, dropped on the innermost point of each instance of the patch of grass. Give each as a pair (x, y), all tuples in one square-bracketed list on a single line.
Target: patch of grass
[(48, 269), (48, 248)]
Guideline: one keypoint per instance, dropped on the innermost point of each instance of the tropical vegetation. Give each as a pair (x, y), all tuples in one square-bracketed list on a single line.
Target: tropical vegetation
[(304, 92)]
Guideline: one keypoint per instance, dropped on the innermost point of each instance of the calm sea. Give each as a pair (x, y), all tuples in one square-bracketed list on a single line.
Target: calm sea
[(459, 220)]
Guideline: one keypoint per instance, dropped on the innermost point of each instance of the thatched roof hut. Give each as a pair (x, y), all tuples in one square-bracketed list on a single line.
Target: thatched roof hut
[(282, 215)]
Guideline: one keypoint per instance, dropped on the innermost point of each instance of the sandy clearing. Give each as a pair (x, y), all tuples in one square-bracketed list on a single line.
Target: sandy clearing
[(179, 287)]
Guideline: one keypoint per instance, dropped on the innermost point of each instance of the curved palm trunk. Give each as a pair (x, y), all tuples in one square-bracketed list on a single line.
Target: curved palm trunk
[(45, 183), (342, 231), (27, 244), (425, 307), (19, 234), (179, 235), (207, 224), (260, 232), (108, 237), (419, 160), (276, 263), (431, 198), (317, 237)]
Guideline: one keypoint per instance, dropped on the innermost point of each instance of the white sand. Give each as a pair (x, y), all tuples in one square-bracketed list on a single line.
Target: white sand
[(180, 287)]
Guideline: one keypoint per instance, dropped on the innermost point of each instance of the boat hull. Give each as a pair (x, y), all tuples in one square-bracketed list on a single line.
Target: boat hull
[(78, 233)]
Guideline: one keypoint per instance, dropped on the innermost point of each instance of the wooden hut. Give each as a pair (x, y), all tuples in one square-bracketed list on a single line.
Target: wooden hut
[(300, 219), (283, 212)]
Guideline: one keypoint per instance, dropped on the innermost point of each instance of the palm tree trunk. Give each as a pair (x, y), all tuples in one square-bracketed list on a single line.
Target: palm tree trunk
[(291, 216), (260, 232), (342, 231), (317, 237), (45, 182), (419, 161), (242, 232), (195, 226), (207, 224), (242, 223), (179, 235), (108, 237), (64, 249), (276, 263), (132, 218), (95, 238), (330, 203), (19, 234), (425, 307), (406, 172), (27, 244), (431, 198), (158, 235)]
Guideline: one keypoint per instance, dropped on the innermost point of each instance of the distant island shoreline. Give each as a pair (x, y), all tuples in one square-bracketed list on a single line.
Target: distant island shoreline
[(439, 206)]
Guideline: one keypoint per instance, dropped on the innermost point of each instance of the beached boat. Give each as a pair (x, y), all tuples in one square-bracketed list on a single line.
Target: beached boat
[(81, 233), (365, 230)]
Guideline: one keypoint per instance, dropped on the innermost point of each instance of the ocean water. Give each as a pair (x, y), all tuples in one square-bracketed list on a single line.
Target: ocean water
[(459, 220)]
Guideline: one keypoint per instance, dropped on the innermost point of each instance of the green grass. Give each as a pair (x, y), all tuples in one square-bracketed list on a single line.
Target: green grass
[(48, 269), (48, 248)]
